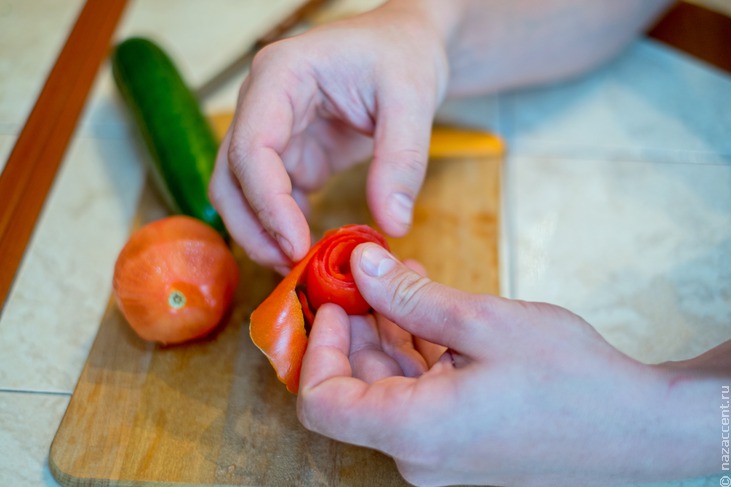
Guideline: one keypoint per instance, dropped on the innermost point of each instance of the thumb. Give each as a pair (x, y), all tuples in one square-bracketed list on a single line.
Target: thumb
[(424, 308)]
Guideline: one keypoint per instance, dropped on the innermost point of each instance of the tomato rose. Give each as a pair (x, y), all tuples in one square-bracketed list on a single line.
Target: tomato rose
[(280, 324)]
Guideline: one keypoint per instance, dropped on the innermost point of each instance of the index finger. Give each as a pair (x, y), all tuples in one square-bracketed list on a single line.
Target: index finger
[(225, 194), (263, 127), (334, 403)]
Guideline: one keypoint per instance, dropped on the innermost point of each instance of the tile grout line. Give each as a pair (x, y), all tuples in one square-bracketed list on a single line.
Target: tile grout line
[(507, 202), (34, 392), (618, 157)]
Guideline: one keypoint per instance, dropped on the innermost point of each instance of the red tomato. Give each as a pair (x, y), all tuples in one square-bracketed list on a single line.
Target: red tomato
[(329, 279), (279, 325), (175, 279)]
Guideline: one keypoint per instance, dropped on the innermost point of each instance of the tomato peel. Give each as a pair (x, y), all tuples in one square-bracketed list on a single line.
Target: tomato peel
[(278, 326)]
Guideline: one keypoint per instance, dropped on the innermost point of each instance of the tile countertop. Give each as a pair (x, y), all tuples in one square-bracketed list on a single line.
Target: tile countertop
[(617, 200)]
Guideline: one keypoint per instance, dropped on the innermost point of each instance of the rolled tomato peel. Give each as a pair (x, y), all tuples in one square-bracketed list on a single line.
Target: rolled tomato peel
[(280, 324)]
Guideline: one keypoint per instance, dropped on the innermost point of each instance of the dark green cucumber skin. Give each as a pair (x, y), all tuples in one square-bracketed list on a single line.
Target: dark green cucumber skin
[(179, 137)]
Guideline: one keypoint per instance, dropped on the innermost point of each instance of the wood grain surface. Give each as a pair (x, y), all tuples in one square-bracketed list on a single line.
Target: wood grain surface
[(696, 30), (213, 412)]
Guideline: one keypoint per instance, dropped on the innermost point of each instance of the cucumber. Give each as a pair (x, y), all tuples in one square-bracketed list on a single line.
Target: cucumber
[(179, 137)]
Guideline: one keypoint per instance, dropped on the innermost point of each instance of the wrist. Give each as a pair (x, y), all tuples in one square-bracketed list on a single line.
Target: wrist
[(443, 16), (691, 416), (467, 31), (665, 425), (436, 25)]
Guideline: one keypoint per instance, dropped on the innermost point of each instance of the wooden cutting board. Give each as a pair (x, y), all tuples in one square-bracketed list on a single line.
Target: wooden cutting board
[(213, 412)]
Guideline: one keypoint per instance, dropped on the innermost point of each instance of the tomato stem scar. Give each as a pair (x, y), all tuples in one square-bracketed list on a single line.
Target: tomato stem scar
[(176, 299)]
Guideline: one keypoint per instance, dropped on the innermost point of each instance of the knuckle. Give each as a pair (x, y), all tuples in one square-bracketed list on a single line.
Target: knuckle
[(257, 245), (410, 164), (410, 474), (413, 159), (276, 56), (264, 56), (260, 245), (483, 310), (214, 195), (416, 473), (258, 256), (238, 154), (413, 168), (303, 409), (481, 315), (470, 317), (407, 289), (312, 409)]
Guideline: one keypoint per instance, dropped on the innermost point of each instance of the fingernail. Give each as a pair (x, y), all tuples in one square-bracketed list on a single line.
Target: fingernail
[(285, 245), (375, 261), (401, 206)]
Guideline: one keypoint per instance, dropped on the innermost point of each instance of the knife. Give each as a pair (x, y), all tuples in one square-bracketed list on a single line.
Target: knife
[(241, 62)]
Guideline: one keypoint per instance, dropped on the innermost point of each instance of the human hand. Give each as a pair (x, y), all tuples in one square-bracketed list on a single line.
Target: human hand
[(527, 393), (317, 103), (379, 348)]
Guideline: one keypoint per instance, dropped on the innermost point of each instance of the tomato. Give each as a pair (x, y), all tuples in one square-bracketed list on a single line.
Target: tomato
[(329, 279), (174, 280), (279, 325)]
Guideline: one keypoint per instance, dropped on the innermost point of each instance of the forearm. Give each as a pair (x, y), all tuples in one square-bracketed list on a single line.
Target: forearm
[(503, 44)]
